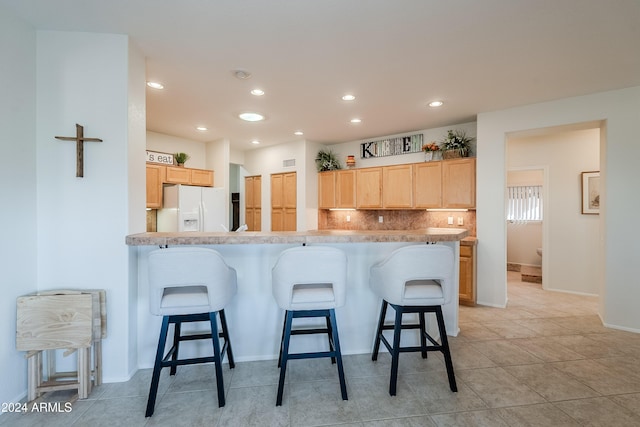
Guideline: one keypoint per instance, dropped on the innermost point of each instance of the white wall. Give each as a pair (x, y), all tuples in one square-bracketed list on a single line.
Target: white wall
[(572, 242), (18, 188), (82, 222), (173, 144), (620, 112)]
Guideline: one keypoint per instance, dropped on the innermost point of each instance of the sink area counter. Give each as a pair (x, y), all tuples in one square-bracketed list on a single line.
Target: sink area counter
[(298, 237)]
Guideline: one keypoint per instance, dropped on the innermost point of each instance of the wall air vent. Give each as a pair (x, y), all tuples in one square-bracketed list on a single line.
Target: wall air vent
[(289, 163)]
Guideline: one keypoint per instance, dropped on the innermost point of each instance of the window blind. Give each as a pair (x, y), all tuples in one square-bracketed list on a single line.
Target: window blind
[(524, 203)]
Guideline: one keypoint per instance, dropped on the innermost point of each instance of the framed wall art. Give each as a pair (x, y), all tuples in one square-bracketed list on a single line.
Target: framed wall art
[(591, 192)]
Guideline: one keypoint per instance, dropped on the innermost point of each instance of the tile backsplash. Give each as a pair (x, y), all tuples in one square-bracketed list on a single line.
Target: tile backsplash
[(393, 220)]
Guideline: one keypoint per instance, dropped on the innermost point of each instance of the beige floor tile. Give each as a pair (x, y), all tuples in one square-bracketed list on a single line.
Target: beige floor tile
[(599, 411), (314, 403), (486, 418), (254, 406), (504, 353), (497, 388), (629, 401), (542, 415), (424, 421), (547, 351), (550, 383), (599, 377)]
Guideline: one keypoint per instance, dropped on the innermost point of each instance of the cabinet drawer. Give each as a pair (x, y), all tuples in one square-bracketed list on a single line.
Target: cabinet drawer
[(465, 250)]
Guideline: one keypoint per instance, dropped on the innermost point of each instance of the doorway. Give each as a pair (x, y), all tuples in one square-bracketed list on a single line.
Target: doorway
[(571, 254)]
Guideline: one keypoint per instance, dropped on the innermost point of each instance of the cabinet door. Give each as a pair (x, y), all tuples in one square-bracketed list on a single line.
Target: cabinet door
[(257, 219), (277, 219), (248, 193), (178, 175), (467, 290), (289, 190), (397, 191), (459, 183), (369, 188), (155, 177), (346, 189), (289, 221), (201, 177), (277, 198), (326, 190), (249, 218), (427, 185)]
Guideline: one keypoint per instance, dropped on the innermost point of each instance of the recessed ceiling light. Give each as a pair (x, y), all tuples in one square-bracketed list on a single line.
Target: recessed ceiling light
[(257, 92), (298, 132), (155, 85), (255, 142), (436, 104), (348, 97), (251, 117), (202, 128), (241, 74), (356, 120)]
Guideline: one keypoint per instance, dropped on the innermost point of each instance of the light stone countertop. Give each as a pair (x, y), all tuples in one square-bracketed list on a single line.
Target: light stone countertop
[(297, 237)]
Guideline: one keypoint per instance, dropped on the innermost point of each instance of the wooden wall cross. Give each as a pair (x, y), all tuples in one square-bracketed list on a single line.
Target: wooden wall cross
[(79, 139)]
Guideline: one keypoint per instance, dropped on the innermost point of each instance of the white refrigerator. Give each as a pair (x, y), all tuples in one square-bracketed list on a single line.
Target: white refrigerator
[(191, 208)]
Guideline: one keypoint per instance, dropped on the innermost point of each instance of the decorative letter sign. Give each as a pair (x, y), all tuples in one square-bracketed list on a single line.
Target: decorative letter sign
[(391, 146)]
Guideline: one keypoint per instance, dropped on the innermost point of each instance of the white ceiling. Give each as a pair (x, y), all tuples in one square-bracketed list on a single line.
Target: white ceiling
[(394, 56)]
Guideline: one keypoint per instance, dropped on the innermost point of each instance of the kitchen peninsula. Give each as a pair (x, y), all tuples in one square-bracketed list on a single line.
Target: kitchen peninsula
[(255, 321)]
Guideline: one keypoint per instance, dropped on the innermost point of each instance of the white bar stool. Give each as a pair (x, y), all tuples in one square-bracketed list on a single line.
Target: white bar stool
[(189, 285), (414, 279), (310, 281)]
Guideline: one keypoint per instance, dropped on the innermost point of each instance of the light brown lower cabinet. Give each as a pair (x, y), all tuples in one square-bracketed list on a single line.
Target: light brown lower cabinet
[(467, 291)]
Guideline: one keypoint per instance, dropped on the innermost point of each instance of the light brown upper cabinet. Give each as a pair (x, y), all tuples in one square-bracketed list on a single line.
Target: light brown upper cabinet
[(397, 191), (337, 189), (327, 190), (283, 201), (155, 178), (427, 185), (253, 202), (459, 183), (346, 189), (188, 176), (369, 188), (202, 177)]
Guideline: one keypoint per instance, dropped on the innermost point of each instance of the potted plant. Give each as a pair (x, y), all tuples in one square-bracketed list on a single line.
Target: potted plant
[(181, 158), (456, 144), (430, 150), (326, 160)]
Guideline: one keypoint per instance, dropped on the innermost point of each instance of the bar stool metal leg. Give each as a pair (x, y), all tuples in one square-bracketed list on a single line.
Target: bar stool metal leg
[(423, 335), (217, 358), (445, 349), (157, 367), (338, 353), (395, 350), (285, 354), (176, 345), (376, 345), (225, 334)]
